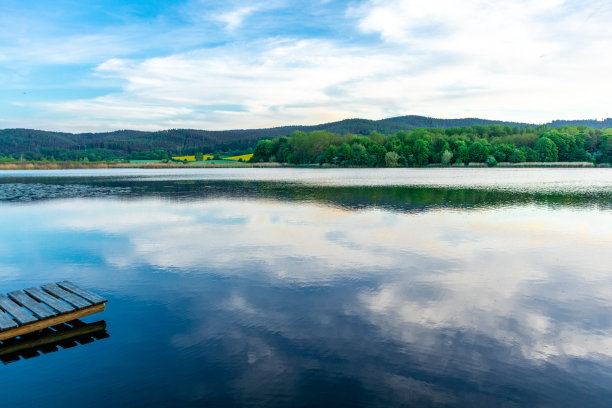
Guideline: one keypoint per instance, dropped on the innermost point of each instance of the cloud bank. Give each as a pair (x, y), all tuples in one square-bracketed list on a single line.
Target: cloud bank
[(240, 65)]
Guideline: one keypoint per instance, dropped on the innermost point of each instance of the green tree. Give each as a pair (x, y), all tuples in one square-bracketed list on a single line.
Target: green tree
[(460, 151), (406, 151), (477, 152), (578, 152), (391, 159), (306, 147), (394, 145), (345, 154), (530, 154), (503, 151), (517, 156), (262, 152), (377, 137), (331, 154), (281, 149), (570, 147), (421, 152), (446, 158), (360, 155), (547, 150), (378, 154), (439, 147), (605, 148)]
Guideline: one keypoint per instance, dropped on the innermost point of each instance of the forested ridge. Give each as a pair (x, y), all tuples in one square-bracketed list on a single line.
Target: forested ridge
[(28, 144)]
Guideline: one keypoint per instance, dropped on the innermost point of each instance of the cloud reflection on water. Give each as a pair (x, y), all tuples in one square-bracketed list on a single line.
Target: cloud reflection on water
[(486, 267), (458, 290)]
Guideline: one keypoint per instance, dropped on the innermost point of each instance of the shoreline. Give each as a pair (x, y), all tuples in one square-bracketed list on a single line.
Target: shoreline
[(95, 165), (68, 166)]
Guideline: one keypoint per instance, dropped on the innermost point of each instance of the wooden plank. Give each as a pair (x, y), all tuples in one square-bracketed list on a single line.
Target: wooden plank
[(69, 297), (53, 302), (92, 297), (6, 322), (18, 312), (20, 297), (51, 321)]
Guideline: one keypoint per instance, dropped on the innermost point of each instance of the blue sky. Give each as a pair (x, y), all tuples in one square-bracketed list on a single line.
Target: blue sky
[(105, 65)]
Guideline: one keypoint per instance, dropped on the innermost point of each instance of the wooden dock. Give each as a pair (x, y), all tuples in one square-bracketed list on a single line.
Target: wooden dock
[(33, 309)]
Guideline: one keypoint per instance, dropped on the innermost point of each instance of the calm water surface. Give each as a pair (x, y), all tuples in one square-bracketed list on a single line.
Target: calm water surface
[(308, 287)]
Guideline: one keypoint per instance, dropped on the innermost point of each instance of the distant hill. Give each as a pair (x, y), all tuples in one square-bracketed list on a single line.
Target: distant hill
[(595, 124), (123, 142)]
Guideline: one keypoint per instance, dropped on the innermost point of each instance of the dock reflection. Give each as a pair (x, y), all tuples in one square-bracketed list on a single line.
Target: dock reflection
[(52, 339)]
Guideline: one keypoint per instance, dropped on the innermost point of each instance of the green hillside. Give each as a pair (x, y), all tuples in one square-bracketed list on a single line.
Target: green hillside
[(39, 144)]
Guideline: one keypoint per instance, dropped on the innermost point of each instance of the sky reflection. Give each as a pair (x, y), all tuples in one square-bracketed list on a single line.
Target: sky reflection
[(274, 297)]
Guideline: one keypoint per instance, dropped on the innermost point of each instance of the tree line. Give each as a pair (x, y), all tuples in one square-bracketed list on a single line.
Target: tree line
[(458, 145), (330, 143)]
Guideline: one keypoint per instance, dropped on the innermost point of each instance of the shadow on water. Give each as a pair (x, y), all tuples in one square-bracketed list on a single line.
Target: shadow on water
[(394, 198), (52, 339)]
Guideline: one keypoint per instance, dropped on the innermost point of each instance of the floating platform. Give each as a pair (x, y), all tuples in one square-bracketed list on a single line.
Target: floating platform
[(33, 309)]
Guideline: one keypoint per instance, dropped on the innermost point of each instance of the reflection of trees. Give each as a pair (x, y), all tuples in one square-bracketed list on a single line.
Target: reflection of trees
[(396, 198)]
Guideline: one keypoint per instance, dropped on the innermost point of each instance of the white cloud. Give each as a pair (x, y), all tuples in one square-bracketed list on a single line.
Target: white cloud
[(63, 50), (503, 58), (233, 19), (272, 83), (522, 61)]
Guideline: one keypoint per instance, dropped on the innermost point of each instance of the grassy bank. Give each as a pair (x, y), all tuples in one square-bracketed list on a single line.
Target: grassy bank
[(102, 165), (541, 164), (224, 164)]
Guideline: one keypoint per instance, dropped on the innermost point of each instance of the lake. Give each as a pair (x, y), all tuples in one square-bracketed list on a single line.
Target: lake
[(317, 287)]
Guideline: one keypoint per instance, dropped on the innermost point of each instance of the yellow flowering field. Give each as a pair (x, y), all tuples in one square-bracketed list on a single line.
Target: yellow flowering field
[(244, 157), (191, 158)]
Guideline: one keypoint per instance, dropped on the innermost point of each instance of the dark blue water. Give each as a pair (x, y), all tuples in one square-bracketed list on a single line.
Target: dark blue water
[(318, 288)]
